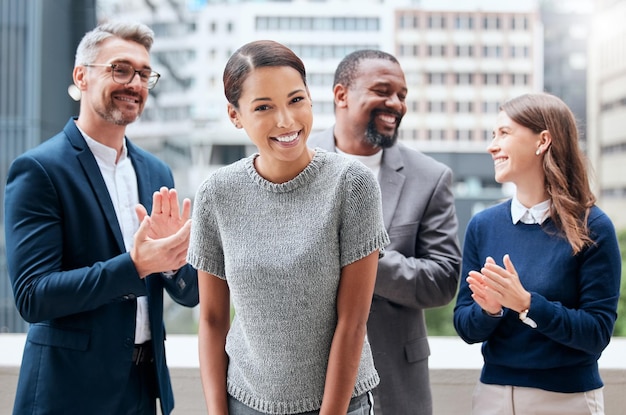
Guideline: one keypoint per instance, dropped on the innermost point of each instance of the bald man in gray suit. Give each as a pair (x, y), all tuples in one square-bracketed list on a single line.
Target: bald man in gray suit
[(420, 268)]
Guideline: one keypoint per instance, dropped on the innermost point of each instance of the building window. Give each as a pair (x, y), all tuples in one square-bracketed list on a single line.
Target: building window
[(436, 106), (343, 24), (327, 51), (436, 21), (464, 78), (464, 107), (463, 135), (436, 78), (491, 107), (519, 51), (491, 22), (408, 134), (408, 50), (492, 79), (436, 135), (519, 23), (437, 50), (464, 51), (519, 79), (464, 22), (409, 21), (492, 51)]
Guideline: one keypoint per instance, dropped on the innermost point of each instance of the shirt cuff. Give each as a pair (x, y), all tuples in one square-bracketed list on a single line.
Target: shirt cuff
[(169, 274)]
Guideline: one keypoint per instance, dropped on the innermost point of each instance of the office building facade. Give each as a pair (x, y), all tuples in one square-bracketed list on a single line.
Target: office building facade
[(462, 59), (606, 107)]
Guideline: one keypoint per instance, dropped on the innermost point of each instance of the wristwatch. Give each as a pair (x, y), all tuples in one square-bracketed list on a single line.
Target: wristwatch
[(527, 320)]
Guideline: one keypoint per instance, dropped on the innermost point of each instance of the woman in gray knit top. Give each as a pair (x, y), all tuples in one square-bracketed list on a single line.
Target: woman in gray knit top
[(292, 237)]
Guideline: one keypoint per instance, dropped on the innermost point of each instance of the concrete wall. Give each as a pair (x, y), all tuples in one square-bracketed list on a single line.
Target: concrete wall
[(455, 367)]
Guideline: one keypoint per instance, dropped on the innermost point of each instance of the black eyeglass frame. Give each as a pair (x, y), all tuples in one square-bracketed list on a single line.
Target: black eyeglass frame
[(149, 83)]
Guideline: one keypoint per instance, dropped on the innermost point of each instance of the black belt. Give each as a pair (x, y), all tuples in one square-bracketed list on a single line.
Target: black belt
[(142, 353)]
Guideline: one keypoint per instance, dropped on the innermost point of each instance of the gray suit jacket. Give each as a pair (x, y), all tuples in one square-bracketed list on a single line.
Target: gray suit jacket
[(420, 269)]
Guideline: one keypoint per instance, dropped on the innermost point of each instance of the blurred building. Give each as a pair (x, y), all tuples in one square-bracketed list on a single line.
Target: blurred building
[(566, 32), (38, 39), (606, 107), (461, 58)]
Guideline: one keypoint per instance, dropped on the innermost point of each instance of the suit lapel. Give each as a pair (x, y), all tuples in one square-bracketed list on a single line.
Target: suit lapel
[(92, 172), (142, 171), (391, 182)]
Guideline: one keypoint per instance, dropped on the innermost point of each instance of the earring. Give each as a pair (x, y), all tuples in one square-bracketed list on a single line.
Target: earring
[(538, 152)]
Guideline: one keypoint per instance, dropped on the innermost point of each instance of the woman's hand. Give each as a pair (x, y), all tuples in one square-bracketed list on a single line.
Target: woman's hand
[(482, 293), (497, 285)]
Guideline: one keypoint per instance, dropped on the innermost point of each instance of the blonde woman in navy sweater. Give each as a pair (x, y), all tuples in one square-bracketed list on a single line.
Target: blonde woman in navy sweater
[(541, 271)]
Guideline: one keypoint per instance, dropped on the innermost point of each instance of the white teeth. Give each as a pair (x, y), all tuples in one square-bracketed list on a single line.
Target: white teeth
[(287, 138), (388, 118), (498, 161)]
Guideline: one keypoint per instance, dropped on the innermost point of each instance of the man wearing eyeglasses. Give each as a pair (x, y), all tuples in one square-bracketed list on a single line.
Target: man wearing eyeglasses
[(88, 265)]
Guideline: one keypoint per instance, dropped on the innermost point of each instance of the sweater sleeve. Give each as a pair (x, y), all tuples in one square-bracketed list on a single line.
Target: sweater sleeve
[(362, 230), (588, 326), (205, 248)]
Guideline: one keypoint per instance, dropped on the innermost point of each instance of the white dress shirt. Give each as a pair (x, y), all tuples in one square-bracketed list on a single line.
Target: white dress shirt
[(121, 182), (534, 215)]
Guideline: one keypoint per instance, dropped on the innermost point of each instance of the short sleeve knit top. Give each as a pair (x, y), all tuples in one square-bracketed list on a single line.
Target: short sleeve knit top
[(281, 248)]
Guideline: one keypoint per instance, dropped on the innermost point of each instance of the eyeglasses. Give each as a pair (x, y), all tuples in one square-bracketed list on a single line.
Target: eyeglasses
[(123, 73)]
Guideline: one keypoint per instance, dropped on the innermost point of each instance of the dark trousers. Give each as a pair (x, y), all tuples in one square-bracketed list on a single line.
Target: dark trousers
[(141, 392)]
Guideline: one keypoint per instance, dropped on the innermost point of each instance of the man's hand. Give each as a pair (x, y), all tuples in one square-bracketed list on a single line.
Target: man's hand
[(161, 242), (166, 216)]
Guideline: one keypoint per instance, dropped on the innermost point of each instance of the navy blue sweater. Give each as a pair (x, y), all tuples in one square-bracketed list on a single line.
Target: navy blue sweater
[(573, 301)]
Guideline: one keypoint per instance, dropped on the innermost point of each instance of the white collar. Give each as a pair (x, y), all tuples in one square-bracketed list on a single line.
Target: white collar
[(534, 215), (104, 153)]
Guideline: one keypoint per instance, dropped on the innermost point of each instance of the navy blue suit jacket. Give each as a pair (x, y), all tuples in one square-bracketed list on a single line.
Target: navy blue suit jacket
[(74, 281)]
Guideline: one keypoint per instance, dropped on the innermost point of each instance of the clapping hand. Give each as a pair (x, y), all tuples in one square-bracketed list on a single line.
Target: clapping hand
[(495, 287), (161, 242)]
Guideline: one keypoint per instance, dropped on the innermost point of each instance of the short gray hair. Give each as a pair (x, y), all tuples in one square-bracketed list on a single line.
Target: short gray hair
[(89, 46)]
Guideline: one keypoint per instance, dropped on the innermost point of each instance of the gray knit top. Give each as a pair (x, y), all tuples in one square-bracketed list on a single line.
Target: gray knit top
[(281, 248)]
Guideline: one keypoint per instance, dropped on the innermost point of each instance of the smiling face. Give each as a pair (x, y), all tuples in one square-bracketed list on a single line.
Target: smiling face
[(514, 151), (376, 101), (105, 99), (275, 111)]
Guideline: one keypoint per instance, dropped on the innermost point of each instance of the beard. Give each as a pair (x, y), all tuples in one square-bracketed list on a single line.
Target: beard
[(378, 139), (111, 113)]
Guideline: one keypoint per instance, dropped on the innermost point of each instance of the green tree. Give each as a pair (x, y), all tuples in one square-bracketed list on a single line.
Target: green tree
[(620, 324), (439, 320)]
